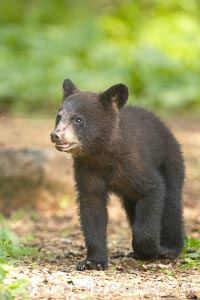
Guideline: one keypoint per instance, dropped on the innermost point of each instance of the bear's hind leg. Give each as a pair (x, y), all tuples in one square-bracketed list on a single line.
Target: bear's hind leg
[(172, 221), (171, 243), (129, 206)]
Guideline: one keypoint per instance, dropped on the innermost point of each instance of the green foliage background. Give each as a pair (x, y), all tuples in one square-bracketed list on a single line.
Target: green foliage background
[(152, 46)]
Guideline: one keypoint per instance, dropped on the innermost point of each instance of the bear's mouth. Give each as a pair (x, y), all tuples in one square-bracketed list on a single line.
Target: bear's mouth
[(65, 146)]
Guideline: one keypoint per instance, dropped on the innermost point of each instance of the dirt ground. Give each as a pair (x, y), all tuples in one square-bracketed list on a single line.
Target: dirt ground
[(57, 236)]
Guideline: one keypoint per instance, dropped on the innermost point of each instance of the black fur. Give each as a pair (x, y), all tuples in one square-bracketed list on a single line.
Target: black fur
[(130, 152)]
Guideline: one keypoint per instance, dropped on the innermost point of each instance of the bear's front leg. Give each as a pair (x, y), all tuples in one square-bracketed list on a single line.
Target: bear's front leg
[(147, 218), (93, 216), (92, 200)]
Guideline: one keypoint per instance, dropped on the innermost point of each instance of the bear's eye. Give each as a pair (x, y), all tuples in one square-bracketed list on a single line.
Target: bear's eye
[(78, 120), (58, 118)]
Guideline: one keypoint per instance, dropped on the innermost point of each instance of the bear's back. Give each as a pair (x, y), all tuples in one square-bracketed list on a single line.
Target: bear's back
[(144, 133)]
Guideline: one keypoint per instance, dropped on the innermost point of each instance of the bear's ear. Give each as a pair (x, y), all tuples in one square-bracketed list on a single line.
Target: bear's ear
[(116, 95), (69, 88)]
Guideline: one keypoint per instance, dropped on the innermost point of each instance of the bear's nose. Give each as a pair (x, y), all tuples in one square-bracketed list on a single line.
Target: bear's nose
[(55, 136)]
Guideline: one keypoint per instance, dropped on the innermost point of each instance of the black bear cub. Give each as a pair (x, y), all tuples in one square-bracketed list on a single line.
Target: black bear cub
[(127, 151)]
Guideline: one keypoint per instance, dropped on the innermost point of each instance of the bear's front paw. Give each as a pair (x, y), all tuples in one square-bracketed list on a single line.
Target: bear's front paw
[(92, 264)]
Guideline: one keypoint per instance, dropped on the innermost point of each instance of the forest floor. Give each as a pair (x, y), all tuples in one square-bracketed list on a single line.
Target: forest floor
[(57, 236)]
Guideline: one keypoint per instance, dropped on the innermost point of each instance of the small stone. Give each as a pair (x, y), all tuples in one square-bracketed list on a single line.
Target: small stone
[(190, 250)]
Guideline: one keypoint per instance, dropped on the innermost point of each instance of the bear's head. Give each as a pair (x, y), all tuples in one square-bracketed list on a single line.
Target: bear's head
[(86, 122)]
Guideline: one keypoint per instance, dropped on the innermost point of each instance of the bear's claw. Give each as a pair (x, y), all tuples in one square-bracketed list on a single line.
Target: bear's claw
[(91, 264)]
